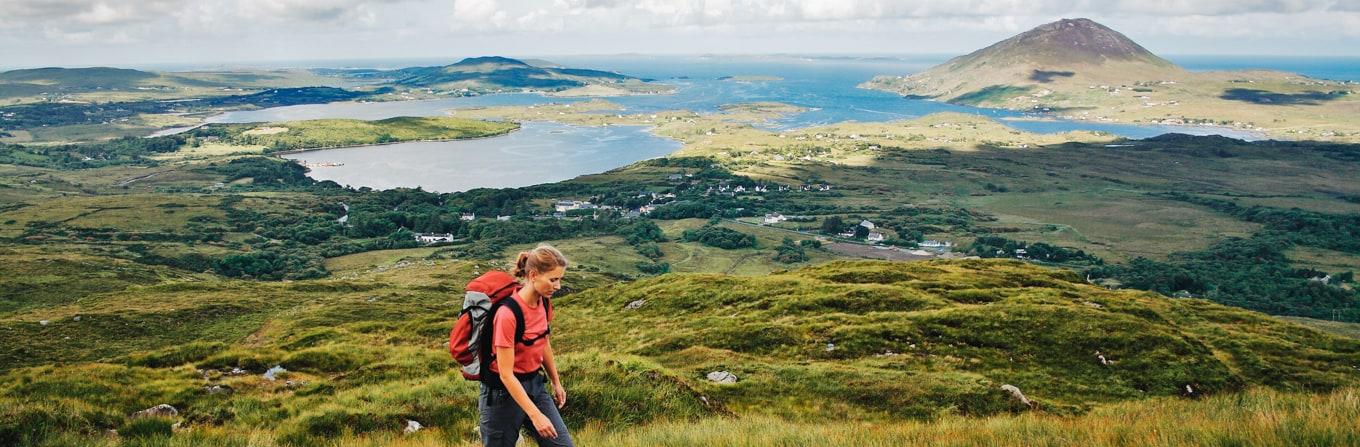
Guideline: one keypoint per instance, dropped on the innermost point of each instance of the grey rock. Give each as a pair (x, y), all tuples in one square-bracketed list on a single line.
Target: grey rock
[(273, 373), (412, 426), (162, 410), (1015, 392), (722, 377), (635, 304)]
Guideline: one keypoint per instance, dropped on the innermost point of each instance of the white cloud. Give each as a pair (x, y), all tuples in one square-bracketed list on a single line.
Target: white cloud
[(36, 29)]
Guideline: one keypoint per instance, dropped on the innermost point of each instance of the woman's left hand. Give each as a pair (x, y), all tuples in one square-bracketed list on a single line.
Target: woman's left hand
[(560, 394)]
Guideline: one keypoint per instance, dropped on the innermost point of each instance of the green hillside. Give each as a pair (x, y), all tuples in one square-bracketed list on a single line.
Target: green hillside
[(865, 341), (488, 74)]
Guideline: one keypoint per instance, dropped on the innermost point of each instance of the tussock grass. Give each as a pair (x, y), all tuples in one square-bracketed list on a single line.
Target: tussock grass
[(1253, 418), (913, 351)]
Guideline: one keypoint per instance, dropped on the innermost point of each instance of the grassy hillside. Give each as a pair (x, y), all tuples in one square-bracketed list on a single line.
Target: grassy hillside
[(866, 342)]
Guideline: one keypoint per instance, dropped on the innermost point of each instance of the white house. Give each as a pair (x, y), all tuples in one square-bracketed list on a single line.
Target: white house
[(774, 218), (647, 209), (563, 206), (432, 238), (468, 216), (503, 218), (875, 237), (936, 245), (867, 224)]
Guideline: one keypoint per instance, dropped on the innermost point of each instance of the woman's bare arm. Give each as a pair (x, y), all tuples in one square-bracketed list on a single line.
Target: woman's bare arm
[(559, 393)]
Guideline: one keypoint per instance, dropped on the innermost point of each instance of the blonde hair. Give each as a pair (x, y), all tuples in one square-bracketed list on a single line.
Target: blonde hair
[(541, 259)]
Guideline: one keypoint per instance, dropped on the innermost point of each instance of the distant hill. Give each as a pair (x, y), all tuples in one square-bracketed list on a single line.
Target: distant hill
[(1069, 51), (1079, 69), (94, 77), (489, 73)]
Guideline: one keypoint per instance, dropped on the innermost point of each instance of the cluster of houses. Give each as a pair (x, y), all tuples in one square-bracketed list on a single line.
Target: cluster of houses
[(873, 236)]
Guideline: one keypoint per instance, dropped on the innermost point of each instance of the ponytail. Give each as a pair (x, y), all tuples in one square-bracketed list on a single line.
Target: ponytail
[(540, 259)]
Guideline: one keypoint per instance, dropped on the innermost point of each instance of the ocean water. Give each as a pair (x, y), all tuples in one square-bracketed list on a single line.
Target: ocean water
[(1320, 67), (825, 86)]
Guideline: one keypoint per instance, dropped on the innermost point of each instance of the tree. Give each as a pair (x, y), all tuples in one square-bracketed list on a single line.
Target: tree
[(832, 225), (789, 252), (861, 231)]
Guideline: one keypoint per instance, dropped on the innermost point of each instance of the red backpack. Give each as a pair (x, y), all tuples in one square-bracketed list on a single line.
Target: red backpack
[(470, 339)]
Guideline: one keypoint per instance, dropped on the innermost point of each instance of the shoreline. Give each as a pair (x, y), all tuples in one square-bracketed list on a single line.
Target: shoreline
[(1258, 135)]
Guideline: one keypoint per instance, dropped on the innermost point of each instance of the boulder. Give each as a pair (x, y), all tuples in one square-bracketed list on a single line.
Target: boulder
[(412, 426), (1015, 392), (635, 304), (162, 410), (273, 373), (722, 377)]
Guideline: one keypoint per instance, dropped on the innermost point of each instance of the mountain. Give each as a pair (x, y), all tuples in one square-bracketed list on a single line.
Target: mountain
[(491, 73), (1081, 70), (1066, 52)]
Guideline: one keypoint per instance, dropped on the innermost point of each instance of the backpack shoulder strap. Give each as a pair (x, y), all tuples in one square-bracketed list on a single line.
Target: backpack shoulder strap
[(513, 305)]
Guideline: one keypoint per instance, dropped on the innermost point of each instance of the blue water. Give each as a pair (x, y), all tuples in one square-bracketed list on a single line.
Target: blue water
[(538, 153), (826, 86), (1319, 67)]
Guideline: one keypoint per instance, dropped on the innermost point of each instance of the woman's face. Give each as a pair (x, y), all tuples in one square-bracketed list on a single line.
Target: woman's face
[(547, 283)]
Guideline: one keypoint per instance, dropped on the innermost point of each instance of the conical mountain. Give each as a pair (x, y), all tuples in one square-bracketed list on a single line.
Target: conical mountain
[(1065, 52)]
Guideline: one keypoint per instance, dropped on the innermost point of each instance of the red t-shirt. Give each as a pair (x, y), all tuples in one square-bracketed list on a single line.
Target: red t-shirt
[(527, 358)]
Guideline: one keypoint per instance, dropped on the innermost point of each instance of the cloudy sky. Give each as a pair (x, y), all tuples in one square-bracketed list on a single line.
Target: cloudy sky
[(140, 32)]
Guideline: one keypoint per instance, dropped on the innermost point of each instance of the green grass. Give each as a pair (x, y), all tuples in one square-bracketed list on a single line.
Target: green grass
[(995, 94)]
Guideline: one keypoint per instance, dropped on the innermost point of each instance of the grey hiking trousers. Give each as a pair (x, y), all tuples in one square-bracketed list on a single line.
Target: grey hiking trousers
[(502, 418)]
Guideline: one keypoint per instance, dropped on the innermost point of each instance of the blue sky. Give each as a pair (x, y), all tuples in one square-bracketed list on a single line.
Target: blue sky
[(138, 32)]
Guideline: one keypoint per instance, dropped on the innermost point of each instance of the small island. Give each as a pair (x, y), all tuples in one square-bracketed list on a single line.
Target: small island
[(751, 78), (336, 133)]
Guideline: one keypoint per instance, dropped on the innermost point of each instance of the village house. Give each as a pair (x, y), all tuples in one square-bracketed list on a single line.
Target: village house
[(867, 224), (503, 218), (774, 218), (563, 206), (468, 217), (935, 245), (433, 238), (647, 209), (875, 237)]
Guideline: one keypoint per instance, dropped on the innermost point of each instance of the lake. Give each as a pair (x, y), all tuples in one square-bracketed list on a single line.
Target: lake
[(540, 152)]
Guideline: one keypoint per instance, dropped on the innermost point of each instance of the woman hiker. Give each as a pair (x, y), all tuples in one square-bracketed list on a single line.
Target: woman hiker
[(520, 398)]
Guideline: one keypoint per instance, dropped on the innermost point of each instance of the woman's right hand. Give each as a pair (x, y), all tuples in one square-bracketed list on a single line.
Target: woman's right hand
[(543, 426)]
